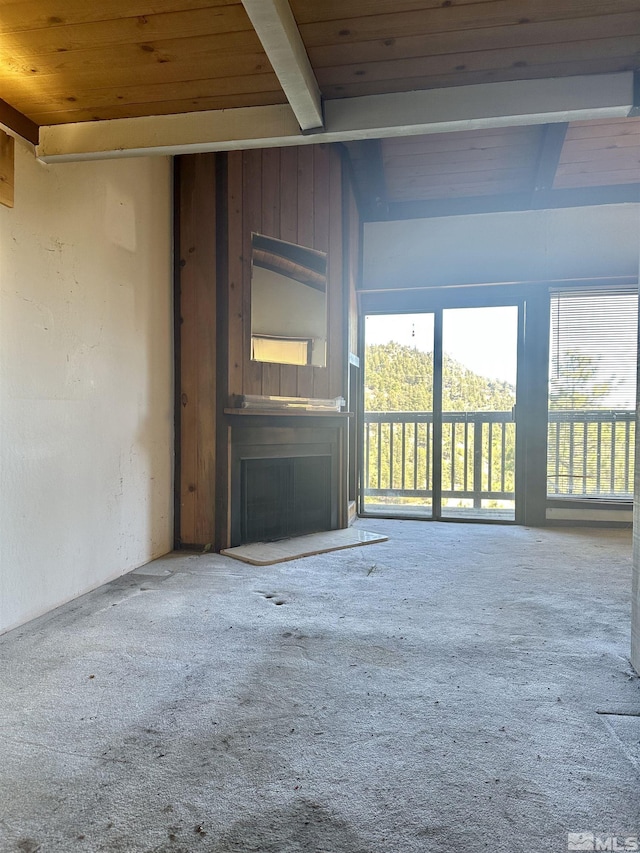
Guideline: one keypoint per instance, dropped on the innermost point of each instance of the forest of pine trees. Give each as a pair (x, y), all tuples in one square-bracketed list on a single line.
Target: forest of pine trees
[(400, 379)]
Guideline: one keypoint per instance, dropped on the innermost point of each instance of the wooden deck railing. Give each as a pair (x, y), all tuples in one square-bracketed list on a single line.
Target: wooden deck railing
[(590, 454)]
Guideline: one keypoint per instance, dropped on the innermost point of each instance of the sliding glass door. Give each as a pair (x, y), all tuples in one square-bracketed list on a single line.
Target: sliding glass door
[(439, 403), (479, 369), (397, 468)]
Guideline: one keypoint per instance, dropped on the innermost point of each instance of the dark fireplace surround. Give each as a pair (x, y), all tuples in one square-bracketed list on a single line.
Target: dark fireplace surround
[(285, 476)]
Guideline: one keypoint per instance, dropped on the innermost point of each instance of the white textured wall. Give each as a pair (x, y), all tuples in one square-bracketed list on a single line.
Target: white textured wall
[(534, 245), (86, 424)]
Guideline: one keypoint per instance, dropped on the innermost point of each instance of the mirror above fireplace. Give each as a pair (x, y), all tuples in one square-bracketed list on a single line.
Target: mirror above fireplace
[(288, 303)]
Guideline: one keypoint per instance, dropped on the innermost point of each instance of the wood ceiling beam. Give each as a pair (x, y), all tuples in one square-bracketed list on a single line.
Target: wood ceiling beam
[(18, 123), (278, 32), (551, 144), (521, 102), (373, 184)]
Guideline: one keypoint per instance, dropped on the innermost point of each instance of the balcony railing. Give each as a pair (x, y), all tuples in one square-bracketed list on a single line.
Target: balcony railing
[(478, 456), (590, 454)]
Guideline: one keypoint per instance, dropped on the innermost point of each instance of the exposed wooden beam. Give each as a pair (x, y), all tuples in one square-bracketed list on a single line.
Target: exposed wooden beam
[(552, 141), (276, 28), (521, 102), (542, 200), (635, 109), (18, 123), (367, 153)]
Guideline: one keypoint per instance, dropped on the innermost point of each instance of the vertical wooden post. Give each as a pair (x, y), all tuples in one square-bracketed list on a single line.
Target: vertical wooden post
[(7, 148), (196, 283)]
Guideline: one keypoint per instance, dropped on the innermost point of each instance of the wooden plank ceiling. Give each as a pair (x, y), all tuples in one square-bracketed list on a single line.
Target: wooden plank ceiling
[(79, 60), (84, 60), (485, 169), (599, 153), (363, 47), (65, 61)]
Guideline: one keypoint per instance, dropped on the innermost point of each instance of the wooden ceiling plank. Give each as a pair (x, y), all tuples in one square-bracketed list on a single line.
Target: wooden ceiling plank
[(471, 107), (479, 60), (310, 11), (611, 168), (58, 98), (395, 176), (597, 180), (490, 149), (190, 69), (592, 146), (609, 164), (487, 147), (459, 159), (278, 32), (221, 52), (573, 153), (627, 128), (498, 13), (219, 24), (615, 65), (169, 107), (26, 15), (446, 179), (470, 41), (516, 155), (461, 190), (609, 122), (458, 192)]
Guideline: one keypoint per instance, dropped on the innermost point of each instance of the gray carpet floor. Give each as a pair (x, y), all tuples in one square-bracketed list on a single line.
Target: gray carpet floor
[(436, 692)]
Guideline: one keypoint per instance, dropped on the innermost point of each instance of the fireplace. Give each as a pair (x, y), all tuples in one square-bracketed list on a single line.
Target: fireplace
[(287, 496), (285, 477)]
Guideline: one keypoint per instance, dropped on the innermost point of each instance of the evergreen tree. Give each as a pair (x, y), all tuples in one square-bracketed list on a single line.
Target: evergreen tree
[(400, 379)]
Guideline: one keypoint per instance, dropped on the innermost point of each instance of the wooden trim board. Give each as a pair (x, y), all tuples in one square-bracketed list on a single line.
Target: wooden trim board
[(268, 553)]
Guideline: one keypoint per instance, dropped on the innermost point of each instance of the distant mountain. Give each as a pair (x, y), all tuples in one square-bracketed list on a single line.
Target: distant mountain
[(399, 378)]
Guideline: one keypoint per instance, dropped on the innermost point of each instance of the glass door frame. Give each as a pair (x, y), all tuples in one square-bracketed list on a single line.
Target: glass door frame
[(436, 302)]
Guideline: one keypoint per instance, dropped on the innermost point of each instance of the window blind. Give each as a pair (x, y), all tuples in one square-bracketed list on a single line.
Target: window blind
[(592, 393), (593, 349)]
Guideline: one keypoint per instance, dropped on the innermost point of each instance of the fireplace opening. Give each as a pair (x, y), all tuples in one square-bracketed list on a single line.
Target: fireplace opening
[(284, 496)]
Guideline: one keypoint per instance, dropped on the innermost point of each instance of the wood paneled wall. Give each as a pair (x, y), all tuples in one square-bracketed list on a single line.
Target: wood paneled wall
[(196, 347), (293, 194)]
